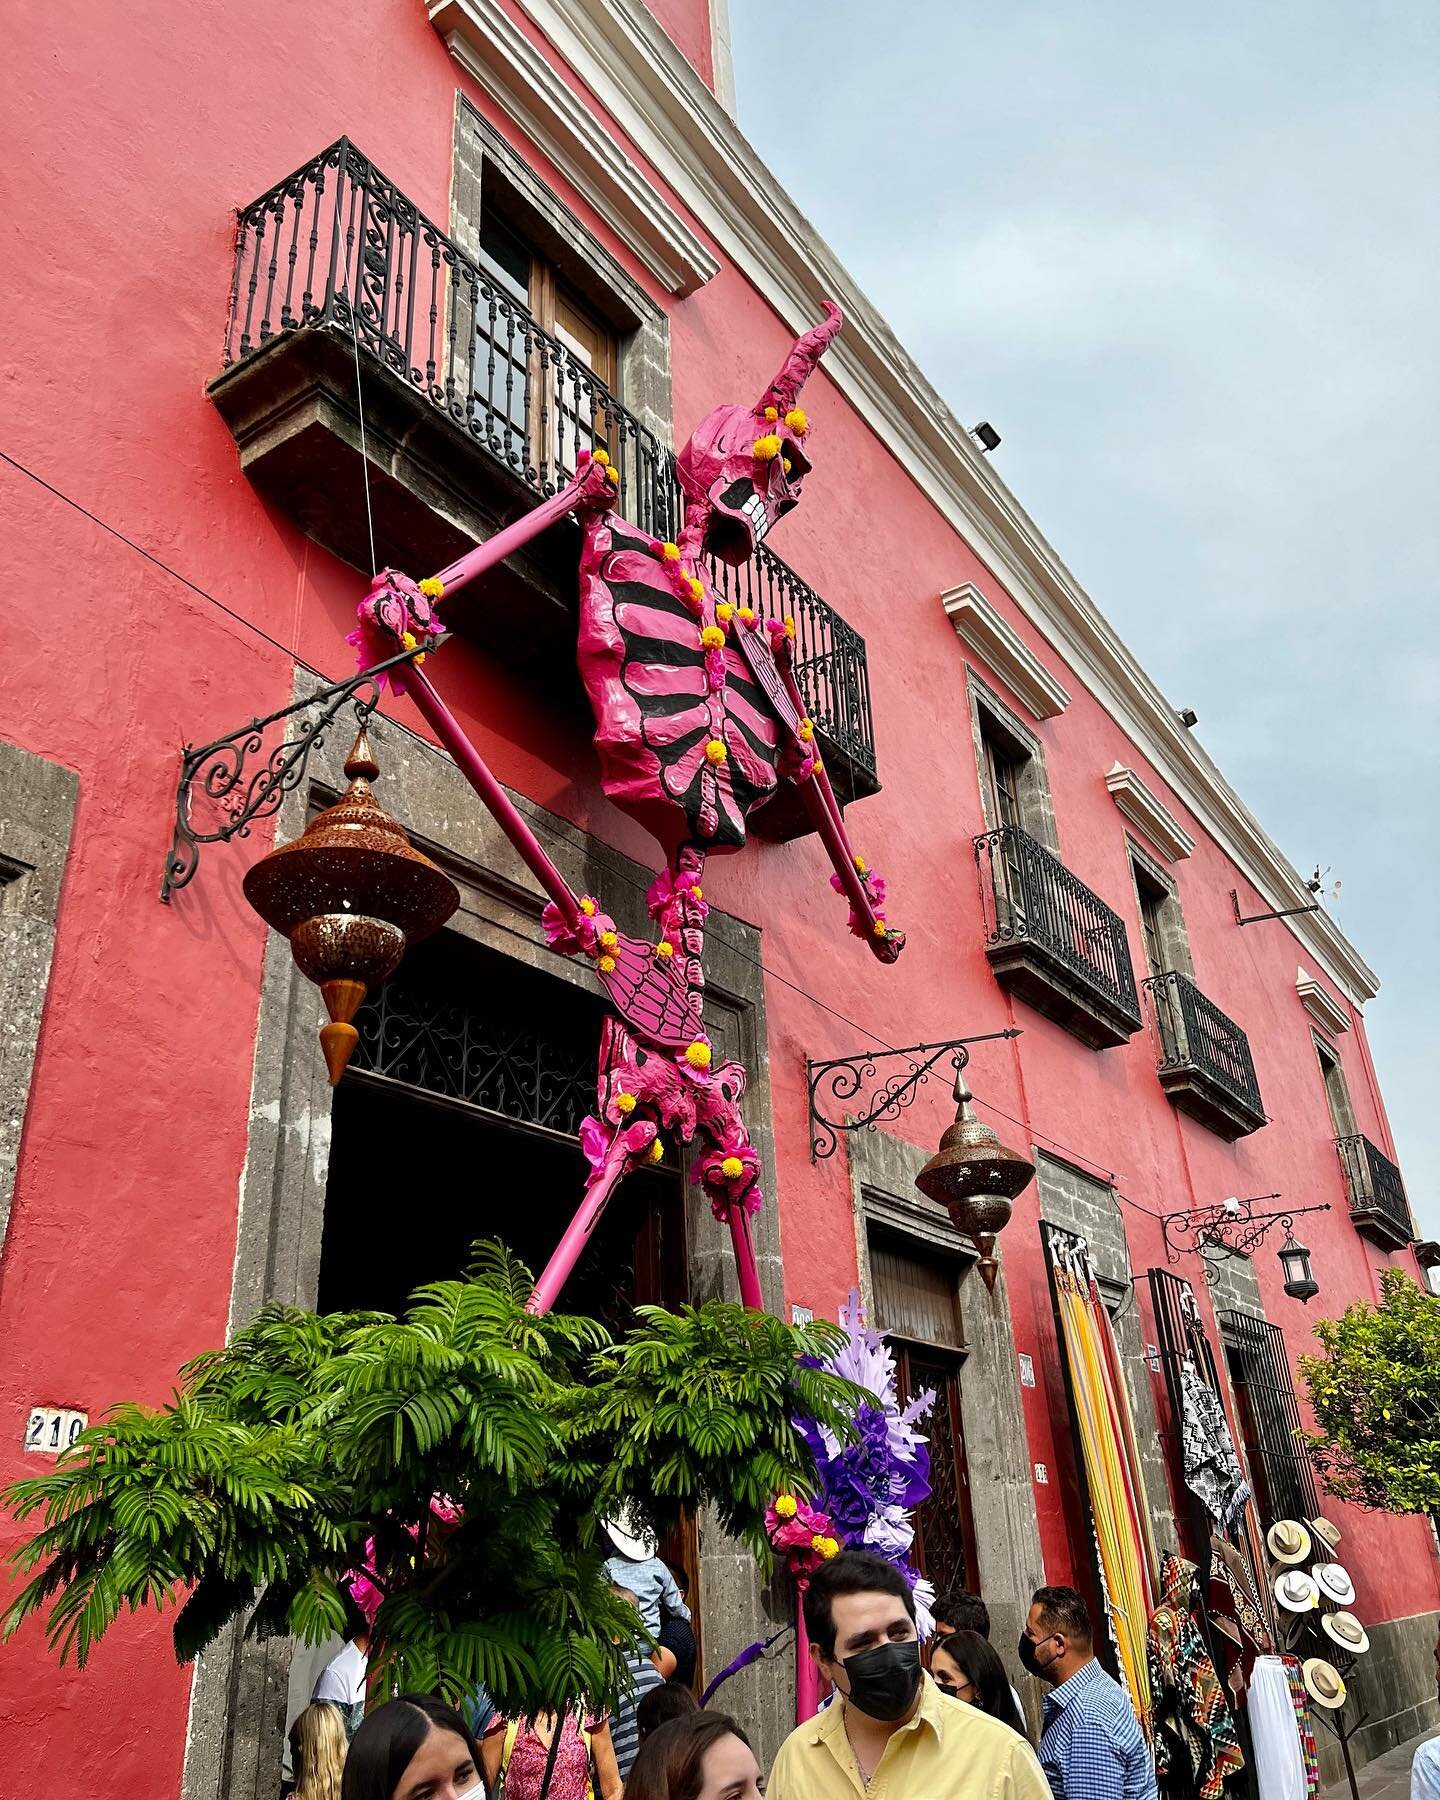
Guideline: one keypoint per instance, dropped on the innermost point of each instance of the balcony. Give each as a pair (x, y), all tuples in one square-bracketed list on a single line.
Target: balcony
[(1205, 1064), (343, 292), (1052, 942), (1378, 1207)]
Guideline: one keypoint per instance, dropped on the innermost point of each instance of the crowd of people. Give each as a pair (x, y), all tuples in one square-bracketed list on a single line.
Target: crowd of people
[(952, 1730)]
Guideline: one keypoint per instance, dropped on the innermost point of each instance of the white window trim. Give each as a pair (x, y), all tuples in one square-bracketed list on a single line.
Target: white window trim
[(1322, 1008), (1002, 650), (1143, 810), (493, 50)]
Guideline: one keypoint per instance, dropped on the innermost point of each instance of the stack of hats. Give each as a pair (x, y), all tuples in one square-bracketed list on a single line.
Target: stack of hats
[(1327, 1589)]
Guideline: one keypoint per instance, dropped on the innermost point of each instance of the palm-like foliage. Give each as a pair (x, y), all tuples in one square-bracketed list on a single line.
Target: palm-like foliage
[(309, 1438)]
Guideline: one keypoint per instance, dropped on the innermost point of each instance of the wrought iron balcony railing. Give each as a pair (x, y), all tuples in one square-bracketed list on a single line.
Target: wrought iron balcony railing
[(1377, 1193), (336, 245), (1043, 922), (1205, 1056), (337, 248), (830, 663)]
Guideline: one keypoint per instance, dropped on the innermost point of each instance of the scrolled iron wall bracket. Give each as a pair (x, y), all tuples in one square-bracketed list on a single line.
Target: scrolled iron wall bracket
[(840, 1078), (1232, 1230), (218, 769)]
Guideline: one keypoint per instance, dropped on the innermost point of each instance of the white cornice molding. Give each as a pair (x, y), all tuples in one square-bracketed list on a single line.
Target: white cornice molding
[(1001, 648), (492, 49), (1142, 809), (623, 56), (1318, 1003)]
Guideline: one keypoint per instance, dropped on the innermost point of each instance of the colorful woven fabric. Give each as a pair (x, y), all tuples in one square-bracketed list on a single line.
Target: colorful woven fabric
[(1108, 1447), (1196, 1748), (1304, 1724)]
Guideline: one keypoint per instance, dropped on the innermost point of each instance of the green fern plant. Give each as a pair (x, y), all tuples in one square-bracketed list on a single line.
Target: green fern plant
[(312, 1445)]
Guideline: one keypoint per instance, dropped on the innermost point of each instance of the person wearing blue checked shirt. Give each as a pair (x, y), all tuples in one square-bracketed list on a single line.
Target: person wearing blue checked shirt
[(1093, 1747)]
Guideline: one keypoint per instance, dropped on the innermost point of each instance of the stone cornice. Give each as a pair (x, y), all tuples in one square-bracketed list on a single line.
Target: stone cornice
[(488, 45), (621, 53), (1319, 1004), (1001, 648), (1142, 809)]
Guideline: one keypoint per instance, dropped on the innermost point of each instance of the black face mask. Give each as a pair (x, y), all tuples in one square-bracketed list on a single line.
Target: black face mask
[(1027, 1648), (883, 1681)]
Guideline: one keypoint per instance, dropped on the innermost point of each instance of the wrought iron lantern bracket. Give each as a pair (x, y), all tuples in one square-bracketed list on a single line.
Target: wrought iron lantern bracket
[(840, 1078), (219, 769), (1232, 1229)]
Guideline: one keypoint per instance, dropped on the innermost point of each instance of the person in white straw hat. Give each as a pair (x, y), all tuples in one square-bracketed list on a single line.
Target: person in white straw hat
[(1346, 1632), (1296, 1592), (1323, 1683), (1334, 1583), (1288, 1541), (636, 1568)]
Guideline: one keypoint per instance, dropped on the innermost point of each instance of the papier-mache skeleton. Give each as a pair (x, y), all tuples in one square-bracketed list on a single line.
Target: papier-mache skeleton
[(698, 717)]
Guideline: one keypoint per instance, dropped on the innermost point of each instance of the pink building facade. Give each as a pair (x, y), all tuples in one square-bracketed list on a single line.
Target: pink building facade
[(515, 228)]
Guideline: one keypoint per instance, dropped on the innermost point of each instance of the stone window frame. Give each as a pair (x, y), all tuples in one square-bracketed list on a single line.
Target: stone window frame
[(239, 1691), (482, 160), (882, 1169), (38, 800), (1175, 939), (989, 713)]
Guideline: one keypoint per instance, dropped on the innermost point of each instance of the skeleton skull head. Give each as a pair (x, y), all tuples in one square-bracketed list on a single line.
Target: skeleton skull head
[(744, 466)]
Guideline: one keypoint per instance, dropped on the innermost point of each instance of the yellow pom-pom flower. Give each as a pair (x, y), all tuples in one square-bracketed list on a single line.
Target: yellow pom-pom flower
[(408, 640), (609, 940), (789, 624), (766, 448), (713, 638), (433, 588), (724, 612), (861, 866), (880, 928), (732, 1168), (786, 1506), (695, 894), (772, 412), (826, 1548), (805, 730), (715, 752), (606, 965), (696, 586), (786, 464), (587, 906), (656, 1152), (698, 1054), (625, 1103), (746, 615), (670, 552), (797, 421), (612, 476), (601, 456), (664, 950)]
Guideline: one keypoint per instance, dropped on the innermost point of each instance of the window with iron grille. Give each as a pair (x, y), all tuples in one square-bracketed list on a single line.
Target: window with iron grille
[(1269, 1417)]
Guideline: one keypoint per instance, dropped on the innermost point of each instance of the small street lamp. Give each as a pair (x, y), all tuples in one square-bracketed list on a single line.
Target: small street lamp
[(1300, 1282), (975, 1178)]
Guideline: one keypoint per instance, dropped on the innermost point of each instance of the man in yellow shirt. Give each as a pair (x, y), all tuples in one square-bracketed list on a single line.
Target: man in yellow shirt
[(890, 1734)]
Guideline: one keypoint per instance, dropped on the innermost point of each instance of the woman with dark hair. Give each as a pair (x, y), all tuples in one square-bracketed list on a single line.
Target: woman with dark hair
[(967, 1668), (413, 1748), (702, 1756)]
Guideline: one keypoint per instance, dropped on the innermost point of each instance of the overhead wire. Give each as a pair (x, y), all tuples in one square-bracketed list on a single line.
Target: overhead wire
[(872, 1038)]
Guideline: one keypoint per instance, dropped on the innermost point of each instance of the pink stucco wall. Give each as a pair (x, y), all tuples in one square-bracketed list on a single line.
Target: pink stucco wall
[(128, 145)]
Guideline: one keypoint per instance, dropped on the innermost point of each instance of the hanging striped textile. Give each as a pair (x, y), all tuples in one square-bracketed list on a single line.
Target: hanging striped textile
[(1123, 1535)]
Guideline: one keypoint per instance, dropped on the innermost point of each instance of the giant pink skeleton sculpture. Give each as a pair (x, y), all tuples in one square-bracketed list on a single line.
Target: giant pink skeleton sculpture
[(699, 715)]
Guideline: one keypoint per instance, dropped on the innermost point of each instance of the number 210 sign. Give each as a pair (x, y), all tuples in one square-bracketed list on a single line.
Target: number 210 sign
[(51, 1429)]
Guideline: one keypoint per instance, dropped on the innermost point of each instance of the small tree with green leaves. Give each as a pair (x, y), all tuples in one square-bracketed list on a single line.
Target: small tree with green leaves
[(1376, 1396), (313, 1446)]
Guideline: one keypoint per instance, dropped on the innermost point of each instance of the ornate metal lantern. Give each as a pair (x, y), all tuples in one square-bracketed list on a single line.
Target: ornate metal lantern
[(350, 893), (1300, 1282), (975, 1178)]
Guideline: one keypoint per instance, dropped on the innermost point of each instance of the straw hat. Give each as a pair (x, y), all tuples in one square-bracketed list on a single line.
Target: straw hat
[(1323, 1683), (1334, 1583), (1288, 1541), (1296, 1592), (629, 1538), (1326, 1532), (1345, 1630)]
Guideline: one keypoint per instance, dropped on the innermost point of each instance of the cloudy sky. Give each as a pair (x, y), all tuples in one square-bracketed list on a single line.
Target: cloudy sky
[(1186, 262)]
